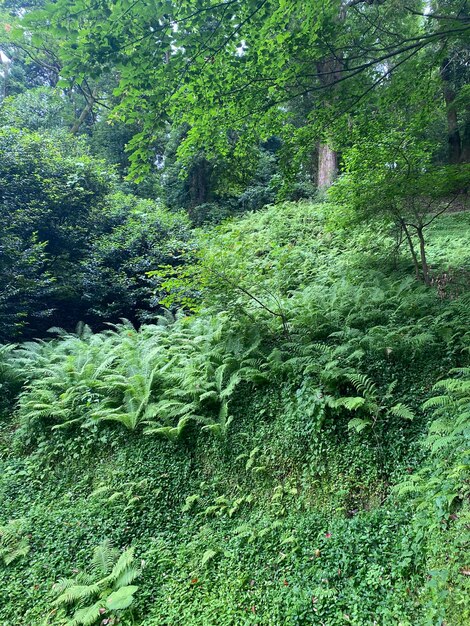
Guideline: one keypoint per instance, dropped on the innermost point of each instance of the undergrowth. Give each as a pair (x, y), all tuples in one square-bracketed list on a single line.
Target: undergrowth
[(294, 451)]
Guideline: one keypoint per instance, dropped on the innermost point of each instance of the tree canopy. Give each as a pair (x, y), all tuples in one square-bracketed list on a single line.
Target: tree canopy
[(249, 69)]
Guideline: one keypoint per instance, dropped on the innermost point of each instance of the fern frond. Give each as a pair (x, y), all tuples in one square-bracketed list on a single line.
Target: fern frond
[(87, 616), (350, 403), (358, 424), (437, 402), (123, 563), (401, 410), (77, 592), (104, 557), (363, 383), (127, 577)]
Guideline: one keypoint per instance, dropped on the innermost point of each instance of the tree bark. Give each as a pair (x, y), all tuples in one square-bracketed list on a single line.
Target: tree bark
[(424, 261), (327, 166), (329, 70), (90, 102), (199, 183), (5, 61), (465, 144), (412, 248)]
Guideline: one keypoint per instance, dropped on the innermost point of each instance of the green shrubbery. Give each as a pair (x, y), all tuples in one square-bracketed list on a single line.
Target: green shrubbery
[(73, 245), (280, 457)]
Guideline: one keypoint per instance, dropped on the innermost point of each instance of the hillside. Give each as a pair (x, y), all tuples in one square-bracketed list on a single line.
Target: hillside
[(293, 450)]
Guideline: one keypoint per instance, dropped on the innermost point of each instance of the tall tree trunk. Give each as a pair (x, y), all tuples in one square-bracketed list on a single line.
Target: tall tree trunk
[(199, 186), (327, 166), (329, 72), (411, 247), (5, 62), (453, 134)]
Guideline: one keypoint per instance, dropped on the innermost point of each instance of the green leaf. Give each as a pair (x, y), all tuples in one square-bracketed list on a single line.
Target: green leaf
[(122, 598), (208, 556), (86, 616), (358, 424)]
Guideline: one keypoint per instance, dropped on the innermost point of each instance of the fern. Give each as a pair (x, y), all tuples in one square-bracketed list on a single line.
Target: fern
[(359, 424), (86, 616), (104, 557), (444, 478), (364, 384), (76, 593), (14, 543), (107, 585), (190, 502), (401, 410), (350, 403), (208, 556)]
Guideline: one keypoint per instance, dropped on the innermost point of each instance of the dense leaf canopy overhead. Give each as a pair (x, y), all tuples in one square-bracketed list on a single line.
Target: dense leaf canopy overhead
[(236, 70)]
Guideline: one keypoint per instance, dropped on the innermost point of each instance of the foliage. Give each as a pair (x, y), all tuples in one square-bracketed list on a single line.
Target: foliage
[(285, 514), (155, 376), (37, 109), (139, 235), (283, 443), (236, 67), (84, 378), (439, 492), (65, 228), (14, 543), (104, 594), (413, 191), (51, 190), (26, 283)]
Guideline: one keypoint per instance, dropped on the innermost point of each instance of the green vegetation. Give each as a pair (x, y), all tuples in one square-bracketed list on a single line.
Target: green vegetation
[(296, 451), (234, 313)]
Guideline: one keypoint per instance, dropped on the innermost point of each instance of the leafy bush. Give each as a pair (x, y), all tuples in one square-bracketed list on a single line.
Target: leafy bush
[(440, 498), (51, 191), (14, 543), (176, 371), (138, 236), (36, 109)]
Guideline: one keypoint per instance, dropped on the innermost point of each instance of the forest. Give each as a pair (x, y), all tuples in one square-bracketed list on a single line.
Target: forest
[(234, 312)]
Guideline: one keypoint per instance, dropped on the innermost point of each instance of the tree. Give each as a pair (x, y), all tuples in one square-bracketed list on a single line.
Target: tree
[(51, 194), (139, 235), (413, 191), (37, 108), (231, 69), (26, 284)]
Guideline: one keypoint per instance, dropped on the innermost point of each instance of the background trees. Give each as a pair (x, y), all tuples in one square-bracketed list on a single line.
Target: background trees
[(217, 108), (259, 442), (72, 246), (50, 191), (232, 70)]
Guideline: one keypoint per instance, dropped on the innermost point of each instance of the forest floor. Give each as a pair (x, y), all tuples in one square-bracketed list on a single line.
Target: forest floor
[(326, 501)]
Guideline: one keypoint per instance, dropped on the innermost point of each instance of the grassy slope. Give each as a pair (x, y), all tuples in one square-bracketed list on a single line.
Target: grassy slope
[(317, 539)]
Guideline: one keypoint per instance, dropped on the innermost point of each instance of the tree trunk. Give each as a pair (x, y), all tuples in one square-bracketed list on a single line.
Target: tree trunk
[(84, 114), (465, 146), (199, 183), (453, 134), (329, 71), (327, 166), (424, 261), (5, 62), (412, 248)]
